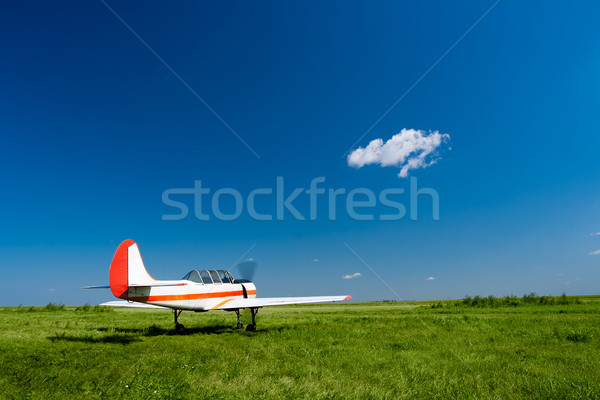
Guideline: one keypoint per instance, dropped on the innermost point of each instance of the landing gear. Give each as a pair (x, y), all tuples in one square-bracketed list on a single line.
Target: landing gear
[(179, 328), (239, 319), (252, 326)]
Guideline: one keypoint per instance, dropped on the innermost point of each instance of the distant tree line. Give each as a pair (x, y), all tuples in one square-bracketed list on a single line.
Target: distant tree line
[(509, 301), (61, 307)]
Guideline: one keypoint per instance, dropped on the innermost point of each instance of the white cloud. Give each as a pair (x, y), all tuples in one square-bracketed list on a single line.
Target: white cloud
[(595, 253), (430, 278), (409, 149), (354, 275), (51, 290), (595, 234), (316, 260)]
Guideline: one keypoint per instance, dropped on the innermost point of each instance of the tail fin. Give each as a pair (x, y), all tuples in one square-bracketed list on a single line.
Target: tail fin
[(127, 269)]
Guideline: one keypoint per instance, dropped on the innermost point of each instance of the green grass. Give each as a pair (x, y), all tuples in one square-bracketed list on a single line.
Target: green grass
[(366, 351)]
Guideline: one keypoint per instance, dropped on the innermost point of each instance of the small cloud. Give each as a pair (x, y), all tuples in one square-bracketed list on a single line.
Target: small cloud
[(430, 278), (595, 234), (577, 278), (250, 259), (316, 260), (595, 253), (567, 282), (354, 275), (409, 149), (51, 290)]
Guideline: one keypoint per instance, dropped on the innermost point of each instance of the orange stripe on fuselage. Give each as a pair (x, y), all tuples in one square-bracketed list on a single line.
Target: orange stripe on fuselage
[(221, 303), (190, 296)]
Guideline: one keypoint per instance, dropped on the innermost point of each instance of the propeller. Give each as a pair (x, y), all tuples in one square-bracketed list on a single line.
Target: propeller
[(247, 269)]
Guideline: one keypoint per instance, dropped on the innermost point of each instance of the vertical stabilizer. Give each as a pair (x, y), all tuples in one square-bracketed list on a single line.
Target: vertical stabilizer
[(127, 268), (136, 271)]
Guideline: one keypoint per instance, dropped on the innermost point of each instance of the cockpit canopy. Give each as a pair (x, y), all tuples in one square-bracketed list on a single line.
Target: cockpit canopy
[(209, 276)]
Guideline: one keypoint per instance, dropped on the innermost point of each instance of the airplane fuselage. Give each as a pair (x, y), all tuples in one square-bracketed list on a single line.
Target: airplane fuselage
[(189, 295)]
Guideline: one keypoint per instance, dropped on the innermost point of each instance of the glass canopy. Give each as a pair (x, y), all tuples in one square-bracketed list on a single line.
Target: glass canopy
[(209, 276)]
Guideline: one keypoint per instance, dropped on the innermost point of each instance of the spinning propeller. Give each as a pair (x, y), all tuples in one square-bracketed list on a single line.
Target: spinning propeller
[(246, 269)]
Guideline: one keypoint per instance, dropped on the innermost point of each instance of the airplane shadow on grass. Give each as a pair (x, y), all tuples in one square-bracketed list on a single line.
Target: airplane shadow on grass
[(130, 335), (114, 338)]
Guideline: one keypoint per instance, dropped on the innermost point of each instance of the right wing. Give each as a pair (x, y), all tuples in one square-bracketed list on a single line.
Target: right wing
[(233, 304)]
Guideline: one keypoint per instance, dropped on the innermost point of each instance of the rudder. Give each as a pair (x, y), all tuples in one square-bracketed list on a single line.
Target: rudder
[(127, 268)]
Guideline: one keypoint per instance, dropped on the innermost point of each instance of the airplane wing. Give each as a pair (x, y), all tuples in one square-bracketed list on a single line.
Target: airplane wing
[(132, 304), (276, 301)]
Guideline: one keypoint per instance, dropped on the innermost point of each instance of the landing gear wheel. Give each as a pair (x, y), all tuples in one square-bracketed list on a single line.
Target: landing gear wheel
[(252, 327), (179, 329), (239, 319)]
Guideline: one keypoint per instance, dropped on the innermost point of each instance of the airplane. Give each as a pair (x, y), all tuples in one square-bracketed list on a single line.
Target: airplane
[(197, 291)]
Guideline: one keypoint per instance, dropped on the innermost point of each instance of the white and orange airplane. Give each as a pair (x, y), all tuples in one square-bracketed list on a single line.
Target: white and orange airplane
[(198, 291)]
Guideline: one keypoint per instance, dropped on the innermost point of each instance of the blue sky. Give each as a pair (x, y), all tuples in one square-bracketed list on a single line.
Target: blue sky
[(95, 128)]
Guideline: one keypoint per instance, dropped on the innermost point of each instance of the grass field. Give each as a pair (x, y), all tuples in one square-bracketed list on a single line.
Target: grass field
[(371, 350)]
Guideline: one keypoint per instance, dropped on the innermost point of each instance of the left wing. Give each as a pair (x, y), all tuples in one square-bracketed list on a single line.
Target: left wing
[(132, 304), (233, 304)]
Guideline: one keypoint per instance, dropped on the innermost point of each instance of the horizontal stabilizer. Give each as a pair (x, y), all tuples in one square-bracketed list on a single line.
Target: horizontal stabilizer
[(131, 304), (278, 301)]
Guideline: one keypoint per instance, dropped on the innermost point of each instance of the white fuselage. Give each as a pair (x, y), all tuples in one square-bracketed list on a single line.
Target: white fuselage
[(189, 295)]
